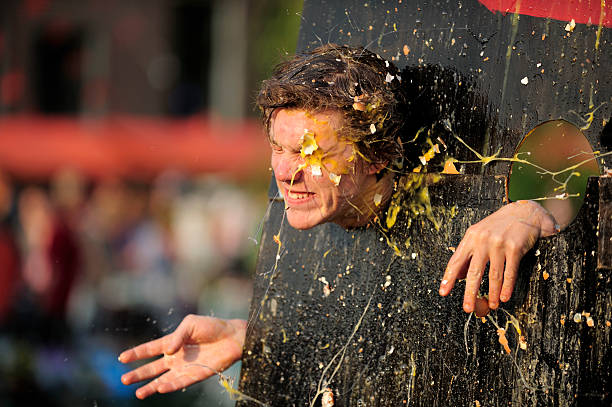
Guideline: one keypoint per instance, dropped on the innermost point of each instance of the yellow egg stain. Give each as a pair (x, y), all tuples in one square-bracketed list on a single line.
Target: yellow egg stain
[(311, 154), (236, 394), (411, 193), (555, 176), (588, 117), (412, 199), (228, 384), (320, 161)]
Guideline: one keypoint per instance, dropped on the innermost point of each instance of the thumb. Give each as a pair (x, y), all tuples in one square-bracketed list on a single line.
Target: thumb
[(177, 339)]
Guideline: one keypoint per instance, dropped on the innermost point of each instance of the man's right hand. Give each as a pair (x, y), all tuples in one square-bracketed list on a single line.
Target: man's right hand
[(197, 349)]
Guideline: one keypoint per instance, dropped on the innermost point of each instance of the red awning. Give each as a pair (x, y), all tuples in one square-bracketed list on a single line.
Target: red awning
[(595, 12), (38, 146)]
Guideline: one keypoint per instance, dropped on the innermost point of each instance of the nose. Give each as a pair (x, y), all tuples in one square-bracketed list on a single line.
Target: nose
[(286, 168)]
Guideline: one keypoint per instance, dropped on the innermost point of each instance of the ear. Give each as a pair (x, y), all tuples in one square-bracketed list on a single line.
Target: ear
[(375, 168)]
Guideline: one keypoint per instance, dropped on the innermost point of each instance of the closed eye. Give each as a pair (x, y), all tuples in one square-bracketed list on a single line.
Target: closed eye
[(276, 148)]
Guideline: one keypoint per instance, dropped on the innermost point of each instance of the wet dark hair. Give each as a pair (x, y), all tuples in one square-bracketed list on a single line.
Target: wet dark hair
[(363, 86)]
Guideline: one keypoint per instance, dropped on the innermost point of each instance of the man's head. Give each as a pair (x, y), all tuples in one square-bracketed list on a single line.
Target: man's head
[(334, 117), (318, 172), (365, 88)]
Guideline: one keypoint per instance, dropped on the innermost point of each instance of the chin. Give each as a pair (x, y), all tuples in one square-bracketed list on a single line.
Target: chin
[(298, 222), (300, 225)]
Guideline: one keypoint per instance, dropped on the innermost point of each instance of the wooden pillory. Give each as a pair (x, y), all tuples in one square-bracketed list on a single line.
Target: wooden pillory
[(338, 311)]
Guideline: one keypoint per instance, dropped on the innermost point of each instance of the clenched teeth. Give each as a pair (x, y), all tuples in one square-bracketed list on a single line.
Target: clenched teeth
[(297, 195)]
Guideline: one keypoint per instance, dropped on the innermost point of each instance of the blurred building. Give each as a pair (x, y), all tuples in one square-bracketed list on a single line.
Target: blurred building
[(154, 57), (111, 87)]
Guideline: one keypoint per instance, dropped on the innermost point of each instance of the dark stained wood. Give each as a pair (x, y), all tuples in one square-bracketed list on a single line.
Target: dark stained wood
[(487, 55), (412, 346), (382, 327), (604, 245)]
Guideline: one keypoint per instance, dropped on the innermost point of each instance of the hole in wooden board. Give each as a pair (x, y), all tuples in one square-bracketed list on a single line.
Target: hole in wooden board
[(562, 159)]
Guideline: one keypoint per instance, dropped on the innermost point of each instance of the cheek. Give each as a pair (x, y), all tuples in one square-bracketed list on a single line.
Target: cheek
[(351, 185), (284, 166), (335, 166), (320, 182), (341, 163), (273, 161)]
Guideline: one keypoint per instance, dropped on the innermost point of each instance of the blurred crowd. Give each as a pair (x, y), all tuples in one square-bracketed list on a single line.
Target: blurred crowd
[(88, 268), (92, 266)]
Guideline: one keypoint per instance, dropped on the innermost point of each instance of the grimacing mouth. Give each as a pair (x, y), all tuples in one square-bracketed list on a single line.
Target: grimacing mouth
[(297, 195)]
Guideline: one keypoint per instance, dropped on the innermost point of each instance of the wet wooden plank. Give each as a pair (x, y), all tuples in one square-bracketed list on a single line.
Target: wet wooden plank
[(342, 301), (604, 245)]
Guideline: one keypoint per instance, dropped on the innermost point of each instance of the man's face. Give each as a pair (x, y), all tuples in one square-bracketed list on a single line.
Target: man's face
[(319, 174)]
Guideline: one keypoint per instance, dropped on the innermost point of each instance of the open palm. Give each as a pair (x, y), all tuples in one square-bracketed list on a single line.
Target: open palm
[(198, 348)]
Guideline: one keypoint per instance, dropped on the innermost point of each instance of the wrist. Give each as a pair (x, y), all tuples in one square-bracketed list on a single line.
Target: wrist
[(544, 219)]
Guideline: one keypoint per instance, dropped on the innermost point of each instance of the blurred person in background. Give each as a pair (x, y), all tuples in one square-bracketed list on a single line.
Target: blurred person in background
[(35, 220), (52, 253), (9, 252), (139, 277), (64, 248)]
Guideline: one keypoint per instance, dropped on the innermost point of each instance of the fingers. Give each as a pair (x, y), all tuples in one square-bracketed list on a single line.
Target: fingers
[(455, 270), (177, 380), (146, 390), (510, 274), (474, 277), (177, 339), (502, 238), (168, 344), (174, 380), (501, 281), (496, 275), (145, 372), (144, 351)]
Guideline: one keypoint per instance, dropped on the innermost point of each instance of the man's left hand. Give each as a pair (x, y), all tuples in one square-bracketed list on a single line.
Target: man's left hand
[(501, 239)]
